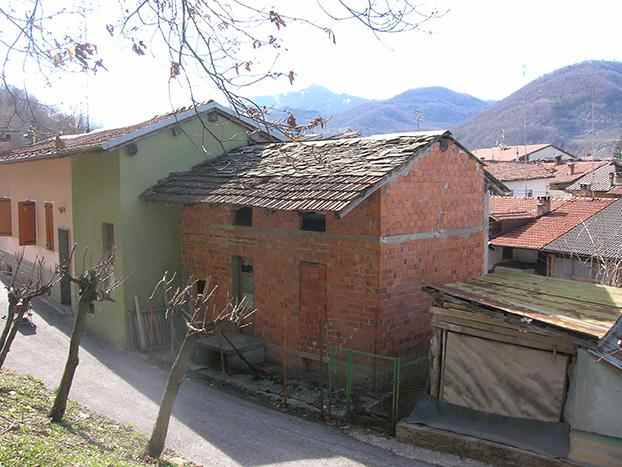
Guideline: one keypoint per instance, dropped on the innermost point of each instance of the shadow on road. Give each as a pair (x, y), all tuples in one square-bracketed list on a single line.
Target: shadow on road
[(213, 421)]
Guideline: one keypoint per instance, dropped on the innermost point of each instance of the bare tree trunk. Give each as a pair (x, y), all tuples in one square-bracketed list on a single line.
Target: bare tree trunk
[(60, 402), (12, 330), (7, 326), (175, 378)]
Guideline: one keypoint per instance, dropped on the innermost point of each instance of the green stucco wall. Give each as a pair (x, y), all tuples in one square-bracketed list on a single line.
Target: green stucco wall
[(96, 200), (146, 234)]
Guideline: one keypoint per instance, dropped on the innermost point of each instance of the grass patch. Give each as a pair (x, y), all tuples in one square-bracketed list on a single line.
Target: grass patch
[(28, 438)]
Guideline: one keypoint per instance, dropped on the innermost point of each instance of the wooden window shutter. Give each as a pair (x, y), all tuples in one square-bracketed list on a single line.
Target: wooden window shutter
[(49, 226), (6, 225), (27, 223)]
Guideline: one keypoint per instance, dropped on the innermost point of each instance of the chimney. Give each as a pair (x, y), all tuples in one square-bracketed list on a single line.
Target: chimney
[(571, 167), (558, 159), (617, 174), (543, 205)]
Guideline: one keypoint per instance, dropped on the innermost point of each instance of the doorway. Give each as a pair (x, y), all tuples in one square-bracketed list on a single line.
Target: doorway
[(63, 255), (312, 307)]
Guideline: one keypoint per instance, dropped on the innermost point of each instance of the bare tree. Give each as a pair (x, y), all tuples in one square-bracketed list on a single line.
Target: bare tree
[(95, 285), (201, 319), (22, 289), (232, 44)]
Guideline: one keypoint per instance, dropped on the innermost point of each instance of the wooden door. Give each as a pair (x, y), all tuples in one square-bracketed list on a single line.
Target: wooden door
[(312, 307), (63, 255)]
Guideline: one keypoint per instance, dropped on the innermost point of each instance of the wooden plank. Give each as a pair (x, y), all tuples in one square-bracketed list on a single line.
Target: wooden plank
[(142, 340), (552, 313), (516, 340), (582, 291), (435, 362), (501, 325), (541, 302), (545, 341), (27, 221), (6, 222)]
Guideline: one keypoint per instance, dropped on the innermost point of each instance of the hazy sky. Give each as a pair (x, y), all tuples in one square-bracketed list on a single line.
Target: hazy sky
[(487, 48)]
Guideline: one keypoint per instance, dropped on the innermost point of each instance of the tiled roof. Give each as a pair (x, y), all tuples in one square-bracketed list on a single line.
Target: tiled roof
[(598, 180), (326, 176), (513, 171), (507, 207), (507, 153), (545, 229), (568, 173), (62, 146), (601, 234)]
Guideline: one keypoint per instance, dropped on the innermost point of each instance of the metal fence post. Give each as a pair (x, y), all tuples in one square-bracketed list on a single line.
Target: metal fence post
[(349, 383)]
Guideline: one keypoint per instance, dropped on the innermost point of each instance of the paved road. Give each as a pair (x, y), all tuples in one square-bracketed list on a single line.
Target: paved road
[(209, 426)]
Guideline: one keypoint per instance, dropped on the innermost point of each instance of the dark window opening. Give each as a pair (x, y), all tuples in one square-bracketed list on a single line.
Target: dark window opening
[(243, 216), (314, 222), (508, 253), (200, 286), (243, 280), (107, 239), (5, 138)]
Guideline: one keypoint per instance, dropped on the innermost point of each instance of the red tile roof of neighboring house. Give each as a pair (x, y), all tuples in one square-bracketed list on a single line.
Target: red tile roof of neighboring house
[(507, 207), (98, 140), (545, 229), (568, 173), (513, 171), (507, 153), (616, 190)]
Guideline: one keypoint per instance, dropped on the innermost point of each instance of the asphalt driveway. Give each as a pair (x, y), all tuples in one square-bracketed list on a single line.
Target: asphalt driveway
[(209, 426)]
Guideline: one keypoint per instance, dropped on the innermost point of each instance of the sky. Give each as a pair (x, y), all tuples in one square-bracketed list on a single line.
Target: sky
[(486, 48)]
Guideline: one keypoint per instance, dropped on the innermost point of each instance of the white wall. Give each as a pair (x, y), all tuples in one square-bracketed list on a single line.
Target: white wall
[(594, 402), (570, 268), (538, 187)]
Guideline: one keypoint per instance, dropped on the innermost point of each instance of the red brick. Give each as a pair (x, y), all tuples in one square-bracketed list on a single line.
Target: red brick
[(373, 297)]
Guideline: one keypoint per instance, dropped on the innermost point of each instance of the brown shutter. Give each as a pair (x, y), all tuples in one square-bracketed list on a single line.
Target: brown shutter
[(6, 226), (27, 223), (49, 226)]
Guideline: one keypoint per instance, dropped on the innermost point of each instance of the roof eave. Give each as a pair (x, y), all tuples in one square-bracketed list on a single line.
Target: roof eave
[(179, 117)]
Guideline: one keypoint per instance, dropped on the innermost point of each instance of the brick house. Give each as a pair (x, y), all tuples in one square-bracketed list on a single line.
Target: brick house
[(335, 234)]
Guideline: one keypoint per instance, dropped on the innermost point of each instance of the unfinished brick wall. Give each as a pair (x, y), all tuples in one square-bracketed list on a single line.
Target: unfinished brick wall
[(433, 226), (425, 226), (279, 251)]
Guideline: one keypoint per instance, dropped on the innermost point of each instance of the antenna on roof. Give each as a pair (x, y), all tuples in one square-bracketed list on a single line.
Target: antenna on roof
[(524, 69)]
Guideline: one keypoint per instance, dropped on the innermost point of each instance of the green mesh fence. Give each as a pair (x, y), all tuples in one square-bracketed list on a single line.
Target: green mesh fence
[(374, 389)]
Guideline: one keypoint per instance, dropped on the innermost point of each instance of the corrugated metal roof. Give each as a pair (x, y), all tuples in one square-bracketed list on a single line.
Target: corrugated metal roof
[(580, 307), (325, 176)]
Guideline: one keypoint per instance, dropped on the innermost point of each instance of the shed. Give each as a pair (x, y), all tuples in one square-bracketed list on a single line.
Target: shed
[(513, 359)]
